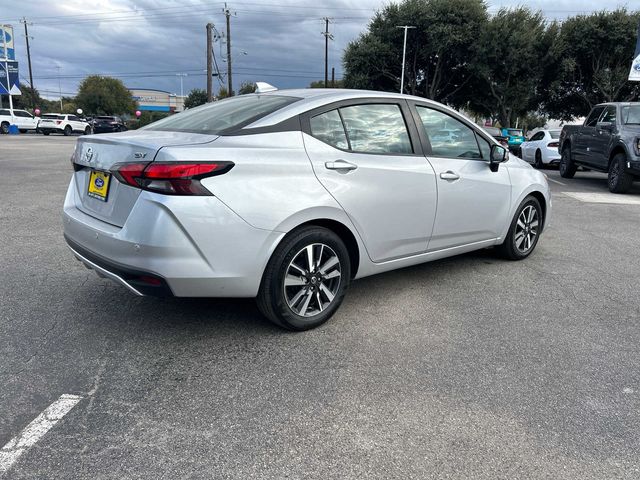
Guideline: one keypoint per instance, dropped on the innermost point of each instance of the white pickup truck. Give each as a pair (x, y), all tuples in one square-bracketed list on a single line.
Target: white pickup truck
[(23, 119)]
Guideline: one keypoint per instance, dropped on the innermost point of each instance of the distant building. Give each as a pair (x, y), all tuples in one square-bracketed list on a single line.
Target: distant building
[(157, 100)]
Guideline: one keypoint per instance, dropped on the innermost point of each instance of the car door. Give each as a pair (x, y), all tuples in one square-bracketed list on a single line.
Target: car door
[(529, 147), (581, 149), (369, 158), (602, 138), (473, 201)]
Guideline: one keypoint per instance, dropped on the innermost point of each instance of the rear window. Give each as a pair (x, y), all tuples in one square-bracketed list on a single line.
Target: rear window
[(53, 117), (515, 133), (224, 115), (554, 134)]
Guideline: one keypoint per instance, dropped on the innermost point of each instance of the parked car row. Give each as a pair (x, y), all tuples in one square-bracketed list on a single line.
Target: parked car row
[(63, 123)]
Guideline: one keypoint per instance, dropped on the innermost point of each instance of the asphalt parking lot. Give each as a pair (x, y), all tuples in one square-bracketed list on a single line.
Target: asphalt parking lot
[(470, 367)]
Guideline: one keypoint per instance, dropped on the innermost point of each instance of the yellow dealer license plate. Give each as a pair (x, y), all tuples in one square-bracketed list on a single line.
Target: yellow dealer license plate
[(99, 185)]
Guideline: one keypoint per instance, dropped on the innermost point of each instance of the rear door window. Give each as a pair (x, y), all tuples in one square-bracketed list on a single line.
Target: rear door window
[(376, 128)]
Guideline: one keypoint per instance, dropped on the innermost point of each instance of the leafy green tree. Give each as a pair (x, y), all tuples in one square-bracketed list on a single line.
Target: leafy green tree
[(320, 84), (104, 96), (590, 63), (512, 51), (223, 93), (146, 118), (196, 97), (247, 87), (439, 49)]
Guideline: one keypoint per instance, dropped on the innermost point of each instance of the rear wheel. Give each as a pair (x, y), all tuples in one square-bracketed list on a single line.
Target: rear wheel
[(567, 167), (22, 130), (67, 131), (619, 180), (306, 279), (524, 230), (87, 131), (4, 127), (538, 163), (44, 132)]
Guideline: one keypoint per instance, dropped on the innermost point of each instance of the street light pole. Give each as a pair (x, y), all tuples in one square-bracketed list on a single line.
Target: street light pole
[(59, 87), (404, 53), (181, 75)]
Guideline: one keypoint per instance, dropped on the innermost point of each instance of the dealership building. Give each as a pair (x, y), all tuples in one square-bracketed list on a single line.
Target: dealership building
[(157, 100)]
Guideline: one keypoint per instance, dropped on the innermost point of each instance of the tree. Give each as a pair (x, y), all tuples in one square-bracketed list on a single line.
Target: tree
[(223, 93), (320, 84), (196, 97), (590, 63), (104, 96), (247, 87), (512, 50), (439, 49)]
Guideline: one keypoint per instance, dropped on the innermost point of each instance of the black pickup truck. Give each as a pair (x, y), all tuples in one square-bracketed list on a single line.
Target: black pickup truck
[(607, 141)]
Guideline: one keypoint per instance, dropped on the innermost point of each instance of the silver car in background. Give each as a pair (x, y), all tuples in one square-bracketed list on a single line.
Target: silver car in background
[(290, 195)]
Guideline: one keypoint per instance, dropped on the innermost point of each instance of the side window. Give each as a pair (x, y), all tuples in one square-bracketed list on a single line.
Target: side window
[(72, 118), (485, 147), (609, 114), (448, 136), (537, 136), (327, 127), (376, 128), (4, 112), (18, 113), (592, 119)]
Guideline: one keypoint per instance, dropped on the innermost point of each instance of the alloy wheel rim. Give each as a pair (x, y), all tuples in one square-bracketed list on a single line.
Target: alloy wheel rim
[(526, 229), (312, 280)]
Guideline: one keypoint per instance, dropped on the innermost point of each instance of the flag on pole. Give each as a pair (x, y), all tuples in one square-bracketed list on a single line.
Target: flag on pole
[(634, 74)]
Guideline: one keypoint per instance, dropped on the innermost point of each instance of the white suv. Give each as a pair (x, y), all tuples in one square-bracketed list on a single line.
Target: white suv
[(62, 123), (21, 118)]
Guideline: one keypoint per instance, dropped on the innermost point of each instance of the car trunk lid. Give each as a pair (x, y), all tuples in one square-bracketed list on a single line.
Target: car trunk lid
[(99, 153)]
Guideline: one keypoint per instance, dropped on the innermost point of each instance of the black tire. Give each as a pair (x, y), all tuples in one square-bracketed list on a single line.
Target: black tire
[(567, 167), (538, 162), (273, 299), (4, 127), (619, 180), (67, 131), (44, 132), (512, 247), (22, 130), (87, 131)]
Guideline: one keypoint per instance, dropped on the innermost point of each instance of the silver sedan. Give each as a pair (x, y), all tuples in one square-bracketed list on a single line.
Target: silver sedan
[(288, 196)]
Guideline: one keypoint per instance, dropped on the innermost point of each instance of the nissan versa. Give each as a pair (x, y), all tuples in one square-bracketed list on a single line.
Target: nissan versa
[(290, 195)]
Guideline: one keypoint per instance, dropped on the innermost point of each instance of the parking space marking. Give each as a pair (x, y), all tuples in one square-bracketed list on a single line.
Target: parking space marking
[(588, 197), (33, 432), (555, 181)]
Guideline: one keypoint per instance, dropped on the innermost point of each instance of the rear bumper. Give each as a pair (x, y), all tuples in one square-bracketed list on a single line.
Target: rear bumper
[(188, 246)]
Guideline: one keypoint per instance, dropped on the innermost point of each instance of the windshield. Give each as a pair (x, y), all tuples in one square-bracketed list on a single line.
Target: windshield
[(224, 115), (515, 133), (554, 133), (631, 115)]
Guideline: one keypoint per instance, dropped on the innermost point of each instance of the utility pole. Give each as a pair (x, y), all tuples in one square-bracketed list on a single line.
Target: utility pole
[(27, 37), (333, 77), (404, 52), (227, 13), (327, 36), (181, 75), (209, 62), (59, 87)]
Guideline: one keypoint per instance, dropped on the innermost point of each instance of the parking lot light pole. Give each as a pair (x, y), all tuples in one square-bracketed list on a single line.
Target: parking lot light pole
[(404, 52), (181, 75)]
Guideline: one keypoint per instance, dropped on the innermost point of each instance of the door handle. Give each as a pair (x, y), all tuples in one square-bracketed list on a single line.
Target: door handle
[(449, 175), (340, 165)]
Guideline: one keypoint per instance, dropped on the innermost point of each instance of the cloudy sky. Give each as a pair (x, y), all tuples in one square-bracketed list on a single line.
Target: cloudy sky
[(147, 42)]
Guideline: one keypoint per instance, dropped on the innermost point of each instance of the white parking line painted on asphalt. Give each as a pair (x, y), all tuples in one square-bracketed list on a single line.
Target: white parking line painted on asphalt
[(614, 198), (555, 181), (33, 432)]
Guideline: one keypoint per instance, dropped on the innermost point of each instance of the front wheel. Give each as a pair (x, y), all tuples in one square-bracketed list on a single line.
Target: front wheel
[(306, 279), (4, 127), (619, 180), (524, 230), (567, 167), (87, 131)]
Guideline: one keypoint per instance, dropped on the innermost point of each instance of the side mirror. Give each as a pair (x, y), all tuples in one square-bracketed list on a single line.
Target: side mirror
[(608, 126), (498, 155)]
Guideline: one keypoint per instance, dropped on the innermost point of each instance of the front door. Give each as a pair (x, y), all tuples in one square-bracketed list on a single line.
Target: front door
[(602, 138), (473, 201), (364, 156)]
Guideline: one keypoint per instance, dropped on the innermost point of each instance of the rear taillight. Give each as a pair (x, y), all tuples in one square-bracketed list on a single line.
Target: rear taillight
[(171, 178), (553, 144), (58, 122)]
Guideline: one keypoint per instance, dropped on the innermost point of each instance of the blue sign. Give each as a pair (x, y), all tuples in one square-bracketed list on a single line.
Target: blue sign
[(6, 32), (14, 80)]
